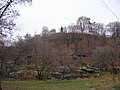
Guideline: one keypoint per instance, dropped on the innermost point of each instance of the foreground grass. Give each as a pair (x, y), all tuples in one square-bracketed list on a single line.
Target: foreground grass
[(82, 84)]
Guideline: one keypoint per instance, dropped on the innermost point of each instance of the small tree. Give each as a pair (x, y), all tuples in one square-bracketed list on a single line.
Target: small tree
[(45, 31), (107, 58)]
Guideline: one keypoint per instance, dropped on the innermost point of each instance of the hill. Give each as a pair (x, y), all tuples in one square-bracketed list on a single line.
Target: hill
[(65, 53)]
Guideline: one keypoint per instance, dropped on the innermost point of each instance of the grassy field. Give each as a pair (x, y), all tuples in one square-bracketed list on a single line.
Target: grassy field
[(82, 84)]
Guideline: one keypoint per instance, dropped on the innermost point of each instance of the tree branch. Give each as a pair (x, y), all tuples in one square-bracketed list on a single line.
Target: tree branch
[(2, 7), (6, 6)]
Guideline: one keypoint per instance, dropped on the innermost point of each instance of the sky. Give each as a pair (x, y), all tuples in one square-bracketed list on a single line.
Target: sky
[(57, 13)]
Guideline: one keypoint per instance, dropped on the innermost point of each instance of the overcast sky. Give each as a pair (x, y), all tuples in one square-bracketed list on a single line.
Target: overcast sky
[(57, 13)]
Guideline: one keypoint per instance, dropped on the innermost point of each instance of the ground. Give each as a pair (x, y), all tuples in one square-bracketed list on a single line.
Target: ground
[(80, 84)]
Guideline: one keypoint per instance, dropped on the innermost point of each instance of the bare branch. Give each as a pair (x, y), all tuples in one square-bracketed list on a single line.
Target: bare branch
[(7, 5)]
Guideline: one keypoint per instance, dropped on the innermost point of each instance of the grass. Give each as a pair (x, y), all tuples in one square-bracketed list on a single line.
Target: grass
[(82, 84)]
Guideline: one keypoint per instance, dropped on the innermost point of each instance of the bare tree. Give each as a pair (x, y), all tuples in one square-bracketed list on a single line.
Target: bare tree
[(84, 23), (42, 55), (45, 31), (97, 29), (106, 57), (7, 15), (70, 28), (114, 28), (52, 31)]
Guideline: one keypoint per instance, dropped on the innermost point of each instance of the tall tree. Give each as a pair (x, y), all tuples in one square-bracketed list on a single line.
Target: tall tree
[(84, 23)]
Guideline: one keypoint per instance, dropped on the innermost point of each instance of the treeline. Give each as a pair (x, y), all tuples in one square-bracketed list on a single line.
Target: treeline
[(84, 25)]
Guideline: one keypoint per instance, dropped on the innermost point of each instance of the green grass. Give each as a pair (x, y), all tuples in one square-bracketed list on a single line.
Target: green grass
[(82, 84)]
